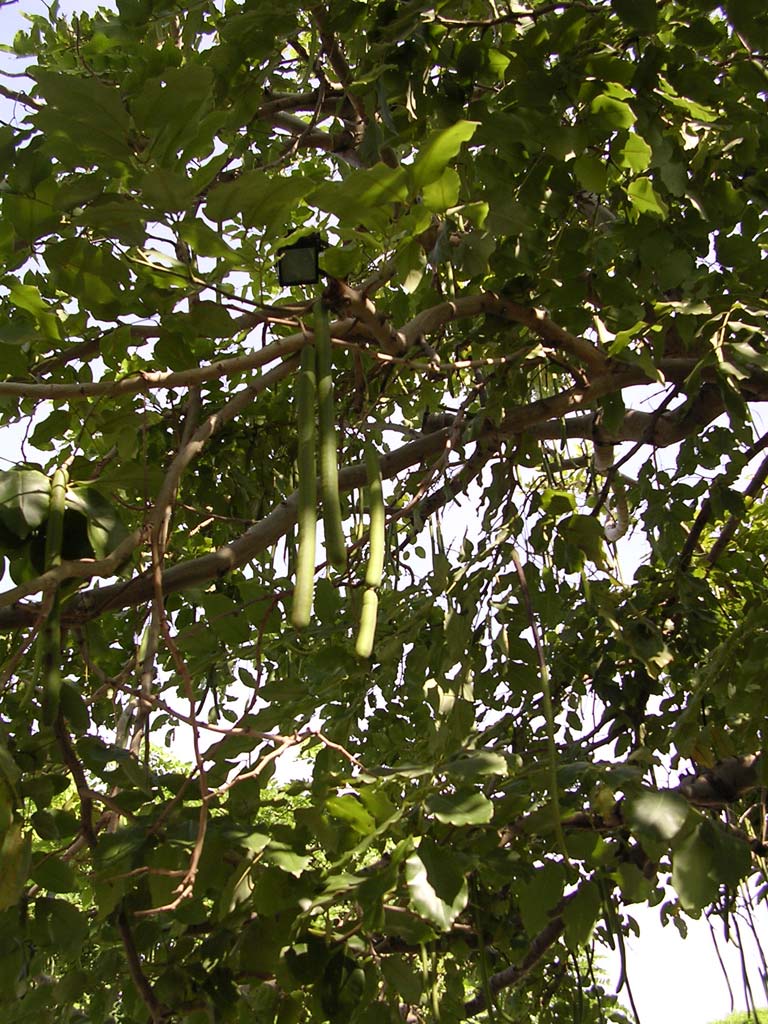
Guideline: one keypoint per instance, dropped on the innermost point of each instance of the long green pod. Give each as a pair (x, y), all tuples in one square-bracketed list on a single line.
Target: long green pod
[(49, 642), (304, 587), (376, 539), (329, 466), (366, 632)]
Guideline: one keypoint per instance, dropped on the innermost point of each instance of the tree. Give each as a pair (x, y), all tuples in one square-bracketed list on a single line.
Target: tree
[(543, 302)]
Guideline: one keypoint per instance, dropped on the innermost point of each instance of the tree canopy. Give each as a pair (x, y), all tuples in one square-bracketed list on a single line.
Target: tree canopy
[(536, 347)]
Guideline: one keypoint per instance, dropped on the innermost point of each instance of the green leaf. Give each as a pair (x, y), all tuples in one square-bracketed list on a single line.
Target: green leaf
[(558, 503), (204, 241), (611, 113), (364, 195), (54, 824), (348, 808), (585, 533), (261, 200), (286, 858), (645, 199), (439, 149), (9, 770), (28, 297), (580, 915), (105, 529), (166, 189), (693, 871), (238, 889), (638, 14), (591, 173), (437, 888), (82, 115), (24, 500), (633, 152), (68, 927), (541, 895), (170, 108), (706, 859), (30, 218), (54, 874), (464, 807), (443, 193), (120, 217), (658, 816), (87, 271), (402, 978), (471, 764), (15, 855)]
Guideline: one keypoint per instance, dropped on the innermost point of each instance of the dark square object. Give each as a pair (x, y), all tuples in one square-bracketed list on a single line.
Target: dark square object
[(298, 263)]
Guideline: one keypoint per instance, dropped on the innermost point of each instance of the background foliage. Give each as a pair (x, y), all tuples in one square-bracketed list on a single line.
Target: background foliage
[(544, 231)]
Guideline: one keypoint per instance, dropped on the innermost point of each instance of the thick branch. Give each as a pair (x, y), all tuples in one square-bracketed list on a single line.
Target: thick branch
[(231, 556), (269, 530), (109, 566), (150, 381), (341, 144), (650, 428), (430, 320), (357, 305), (308, 101), (723, 784)]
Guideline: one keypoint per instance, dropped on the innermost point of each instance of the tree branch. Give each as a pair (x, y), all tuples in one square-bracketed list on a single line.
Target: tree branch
[(19, 97), (658, 431), (156, 1011), (725, 783), (727, 532), (144, 382), (515, 973), (341, 144), (357, 305), (706, 510), (103, 568), (536, 320), (269, 530), (338, 61), (77, 772)]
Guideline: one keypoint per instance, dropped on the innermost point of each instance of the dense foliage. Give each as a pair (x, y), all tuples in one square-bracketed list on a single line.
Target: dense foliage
[(543, 232)]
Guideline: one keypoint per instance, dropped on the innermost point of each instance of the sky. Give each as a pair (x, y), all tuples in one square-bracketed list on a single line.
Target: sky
[(673, 980)]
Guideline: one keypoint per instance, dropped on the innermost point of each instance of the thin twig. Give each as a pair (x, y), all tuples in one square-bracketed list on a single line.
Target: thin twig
[(12, 663), (706, 507), (533, 14), (77, 772), (19, 97), (726, 534), (338, 62)]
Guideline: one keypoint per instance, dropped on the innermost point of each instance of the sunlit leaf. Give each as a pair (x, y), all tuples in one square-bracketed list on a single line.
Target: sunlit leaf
[(24, 500), (423, 889)]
